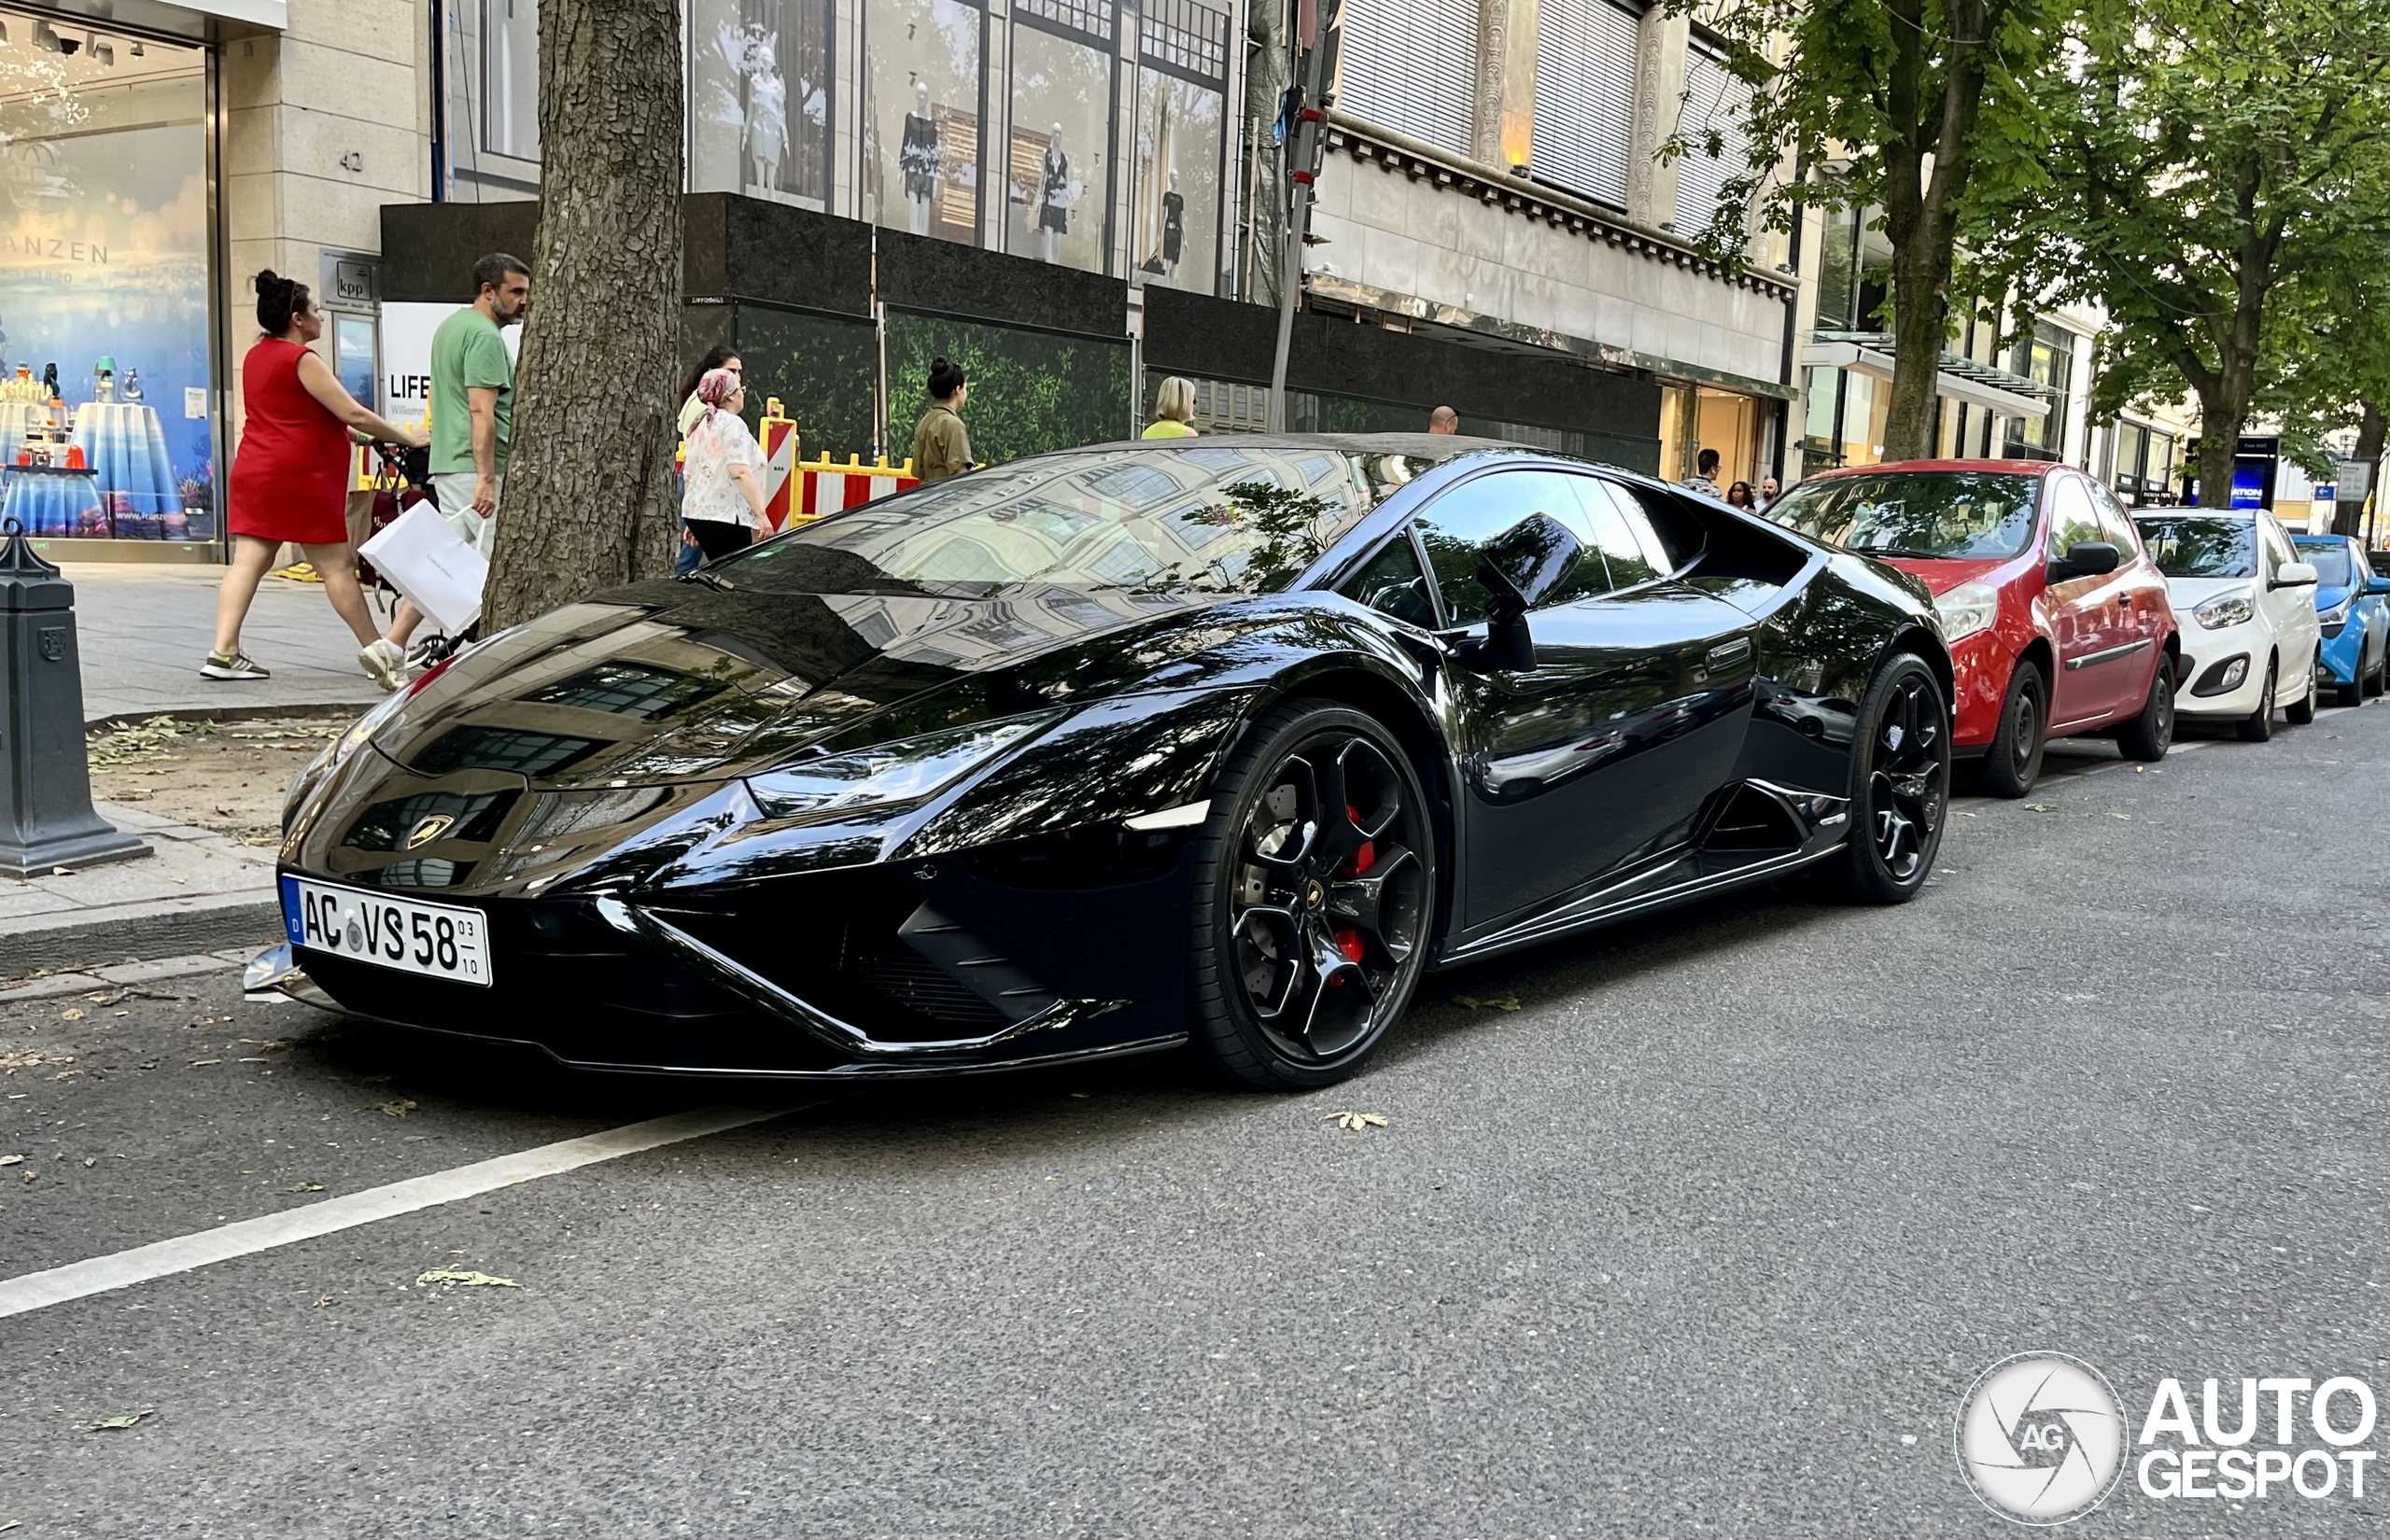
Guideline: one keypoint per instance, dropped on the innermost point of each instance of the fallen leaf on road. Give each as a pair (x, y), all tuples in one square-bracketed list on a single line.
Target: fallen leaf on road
[(308, 1188), (396, 1109), (198, 1062), (2140, 769), (2127, 817), (464, 1280), (1355, 1121), (76, 1014), (2039, 807), (128, 1420), (322, 1300), (1499, 1002), (1966, 815), (12, 1160), (90, 1161)]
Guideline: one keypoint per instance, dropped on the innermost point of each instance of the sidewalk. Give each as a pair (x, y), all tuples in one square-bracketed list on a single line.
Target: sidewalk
[(144, 630), (200, 892)]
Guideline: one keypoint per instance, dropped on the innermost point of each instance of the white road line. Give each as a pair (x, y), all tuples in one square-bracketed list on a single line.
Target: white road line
[(162, 1258)]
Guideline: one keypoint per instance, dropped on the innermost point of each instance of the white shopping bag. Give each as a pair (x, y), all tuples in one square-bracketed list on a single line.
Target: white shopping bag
[(430, 565)]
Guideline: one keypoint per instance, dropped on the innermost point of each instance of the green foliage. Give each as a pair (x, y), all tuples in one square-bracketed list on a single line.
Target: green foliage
[(823, 370), (1031, 391)]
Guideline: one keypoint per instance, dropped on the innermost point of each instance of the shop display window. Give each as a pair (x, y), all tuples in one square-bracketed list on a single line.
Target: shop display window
[(1181, 113), (1058, 182), (105, 364), (759, 99), (922, 106)]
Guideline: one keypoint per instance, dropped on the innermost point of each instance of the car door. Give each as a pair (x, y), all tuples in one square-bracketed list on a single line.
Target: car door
[(1632, 714), (2289, 609), (2091, 670), (2143, 607)]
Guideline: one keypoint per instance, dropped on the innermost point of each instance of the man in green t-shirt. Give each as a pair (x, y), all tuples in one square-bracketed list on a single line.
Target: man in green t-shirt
[(472, 413)]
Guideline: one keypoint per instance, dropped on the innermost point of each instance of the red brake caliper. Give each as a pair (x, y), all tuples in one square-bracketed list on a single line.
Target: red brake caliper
[(1348, 941)]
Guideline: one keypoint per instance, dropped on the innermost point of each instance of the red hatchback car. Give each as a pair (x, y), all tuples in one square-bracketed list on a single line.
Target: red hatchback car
[(2058, 621)]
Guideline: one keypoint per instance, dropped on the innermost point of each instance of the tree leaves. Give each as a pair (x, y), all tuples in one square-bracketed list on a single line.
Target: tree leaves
[(1356, 1122), (459, 1278)]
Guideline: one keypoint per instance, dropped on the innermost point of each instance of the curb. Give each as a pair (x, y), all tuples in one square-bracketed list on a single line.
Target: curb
[(157, 931), (348, 709)]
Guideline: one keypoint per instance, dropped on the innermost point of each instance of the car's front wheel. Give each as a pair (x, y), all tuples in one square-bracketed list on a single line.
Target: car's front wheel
[(1900, 783), (2259, 726), (1315, 887)]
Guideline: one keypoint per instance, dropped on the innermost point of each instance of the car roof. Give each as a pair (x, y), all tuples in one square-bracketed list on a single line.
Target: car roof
[(2245, 515), (1421, 446), (2009, 467)]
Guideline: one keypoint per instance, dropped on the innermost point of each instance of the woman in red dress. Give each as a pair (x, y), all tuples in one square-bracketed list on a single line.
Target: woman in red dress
[(290, 479)]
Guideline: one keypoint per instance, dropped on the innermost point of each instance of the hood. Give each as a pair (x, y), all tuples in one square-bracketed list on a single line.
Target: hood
[(1941, 575), (2190, 592), (670, 682)]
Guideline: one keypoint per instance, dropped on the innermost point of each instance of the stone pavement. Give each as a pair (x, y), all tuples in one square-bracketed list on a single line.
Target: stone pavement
[(199, 892), (145, 629)]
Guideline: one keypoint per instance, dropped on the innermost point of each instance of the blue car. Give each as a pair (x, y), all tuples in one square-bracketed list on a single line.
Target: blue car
[(2351, 606)]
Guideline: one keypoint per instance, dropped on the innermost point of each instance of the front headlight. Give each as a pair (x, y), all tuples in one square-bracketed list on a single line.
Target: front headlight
[(2223, 611), (1970, 607), (905, 771), (2338, 613)]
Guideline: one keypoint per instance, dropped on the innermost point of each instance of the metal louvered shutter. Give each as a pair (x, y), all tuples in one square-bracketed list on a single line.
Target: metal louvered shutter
[(1410, 65), (1714, 99), (1584, 98)]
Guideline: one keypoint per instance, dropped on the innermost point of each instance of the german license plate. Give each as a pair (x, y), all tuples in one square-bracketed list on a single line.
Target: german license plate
[(439, 940)]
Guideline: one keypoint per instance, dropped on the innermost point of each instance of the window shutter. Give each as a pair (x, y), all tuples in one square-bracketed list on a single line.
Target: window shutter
[(1714, 98), (1584, 98), (1410, 65)]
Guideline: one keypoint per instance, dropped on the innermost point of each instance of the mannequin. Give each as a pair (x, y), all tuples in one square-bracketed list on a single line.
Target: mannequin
[(918, 159), (767, 110), (1054, 197), (1173, 226)]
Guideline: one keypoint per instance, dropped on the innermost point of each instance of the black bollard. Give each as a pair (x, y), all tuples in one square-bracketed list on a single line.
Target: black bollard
[(47, 819)]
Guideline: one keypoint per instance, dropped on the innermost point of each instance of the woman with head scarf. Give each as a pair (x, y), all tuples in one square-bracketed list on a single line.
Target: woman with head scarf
[(723, 503)]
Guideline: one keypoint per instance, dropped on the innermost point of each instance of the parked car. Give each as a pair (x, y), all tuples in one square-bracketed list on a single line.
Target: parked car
[(2351, 608), (2057, 620), (2247, 609), (1104, 751)]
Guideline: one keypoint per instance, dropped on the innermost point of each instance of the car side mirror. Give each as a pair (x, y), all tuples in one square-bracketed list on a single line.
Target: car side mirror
[(2377, 585), (2086, 559), (1520, 568), (2295, 575)]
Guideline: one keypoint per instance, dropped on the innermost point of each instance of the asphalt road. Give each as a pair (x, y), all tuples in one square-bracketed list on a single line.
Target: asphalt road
[(1710, 1235)]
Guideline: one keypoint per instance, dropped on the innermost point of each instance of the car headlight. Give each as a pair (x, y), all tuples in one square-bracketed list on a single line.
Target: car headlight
[(2338, 613), (2223, 611), (1970, 607), (905, 771)]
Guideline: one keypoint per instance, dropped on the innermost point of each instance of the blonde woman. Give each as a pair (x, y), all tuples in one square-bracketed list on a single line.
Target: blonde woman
[(1173, 409)]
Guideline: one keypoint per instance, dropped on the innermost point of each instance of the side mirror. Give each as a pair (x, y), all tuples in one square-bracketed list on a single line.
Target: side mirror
[(2295, 575), (1520, 568), (2377, 585), (2086, 559)]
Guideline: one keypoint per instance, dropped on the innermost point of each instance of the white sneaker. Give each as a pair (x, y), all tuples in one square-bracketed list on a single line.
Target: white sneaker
[(232, 665), (386, 659)]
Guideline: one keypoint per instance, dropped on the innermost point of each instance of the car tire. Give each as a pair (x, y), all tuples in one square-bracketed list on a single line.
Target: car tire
[(2259, 726), (2148, 736), (2014, 760), (1307, 931), (1900, 784), (2298, 713), (2380, 678), (2353, 692)]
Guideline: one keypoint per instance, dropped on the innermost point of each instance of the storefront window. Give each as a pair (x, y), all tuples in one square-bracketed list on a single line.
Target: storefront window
[(1058, 181), (2048, 358), (759, 99), (1182, 45), (104, 376), (1822, 398), (921, 117), (1676, 433), (510, 79), (1729, 423)]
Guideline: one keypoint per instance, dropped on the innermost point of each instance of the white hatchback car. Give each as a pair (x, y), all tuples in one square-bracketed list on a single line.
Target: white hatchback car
[(2246, 606)]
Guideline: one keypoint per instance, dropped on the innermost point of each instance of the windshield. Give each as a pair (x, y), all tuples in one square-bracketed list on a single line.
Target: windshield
[(2201, 547), (1169, 522), (2330, 559), (1962, 514)]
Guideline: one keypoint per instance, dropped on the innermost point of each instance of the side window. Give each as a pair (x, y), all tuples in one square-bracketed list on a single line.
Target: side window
[(2114, 525), (1455, 525), (1629, 547), (2277, 546), (1394, 583), (2073, 520)]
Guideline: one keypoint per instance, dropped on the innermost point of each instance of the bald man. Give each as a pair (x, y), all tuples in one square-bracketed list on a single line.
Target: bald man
[(1443, 420)]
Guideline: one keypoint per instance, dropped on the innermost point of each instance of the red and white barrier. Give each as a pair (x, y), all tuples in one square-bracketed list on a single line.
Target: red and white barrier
[(830, 487)]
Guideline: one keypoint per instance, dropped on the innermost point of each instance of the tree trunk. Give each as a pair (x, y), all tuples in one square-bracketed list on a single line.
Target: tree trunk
[(2348, 515), (587, 501), (1921, 315), (2221, 419)]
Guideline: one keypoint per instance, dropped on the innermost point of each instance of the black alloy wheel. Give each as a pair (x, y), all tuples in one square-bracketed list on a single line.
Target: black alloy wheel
[(2298, 713), (1313, 899), (2259, 726), (1900, 783), (2149, 735), (2014, 760)]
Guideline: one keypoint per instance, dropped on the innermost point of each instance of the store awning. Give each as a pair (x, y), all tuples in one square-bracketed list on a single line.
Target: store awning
[(1959, 380), (198, 19)]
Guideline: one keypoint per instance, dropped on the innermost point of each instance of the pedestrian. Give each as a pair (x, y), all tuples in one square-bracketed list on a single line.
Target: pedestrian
[(691, 410), (1739, 495), (1705, 480), (1768, 494), (1173, 409), (1443, 420), (941, 445), (723, 506), (289, 477), (472, 415)]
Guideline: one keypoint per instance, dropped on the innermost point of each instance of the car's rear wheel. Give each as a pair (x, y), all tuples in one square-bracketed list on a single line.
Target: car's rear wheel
[(1315, 887), (2014, 760), (2149, 735), (2380, 679), (1900, 783), (2298, 713), (2259, 726)]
